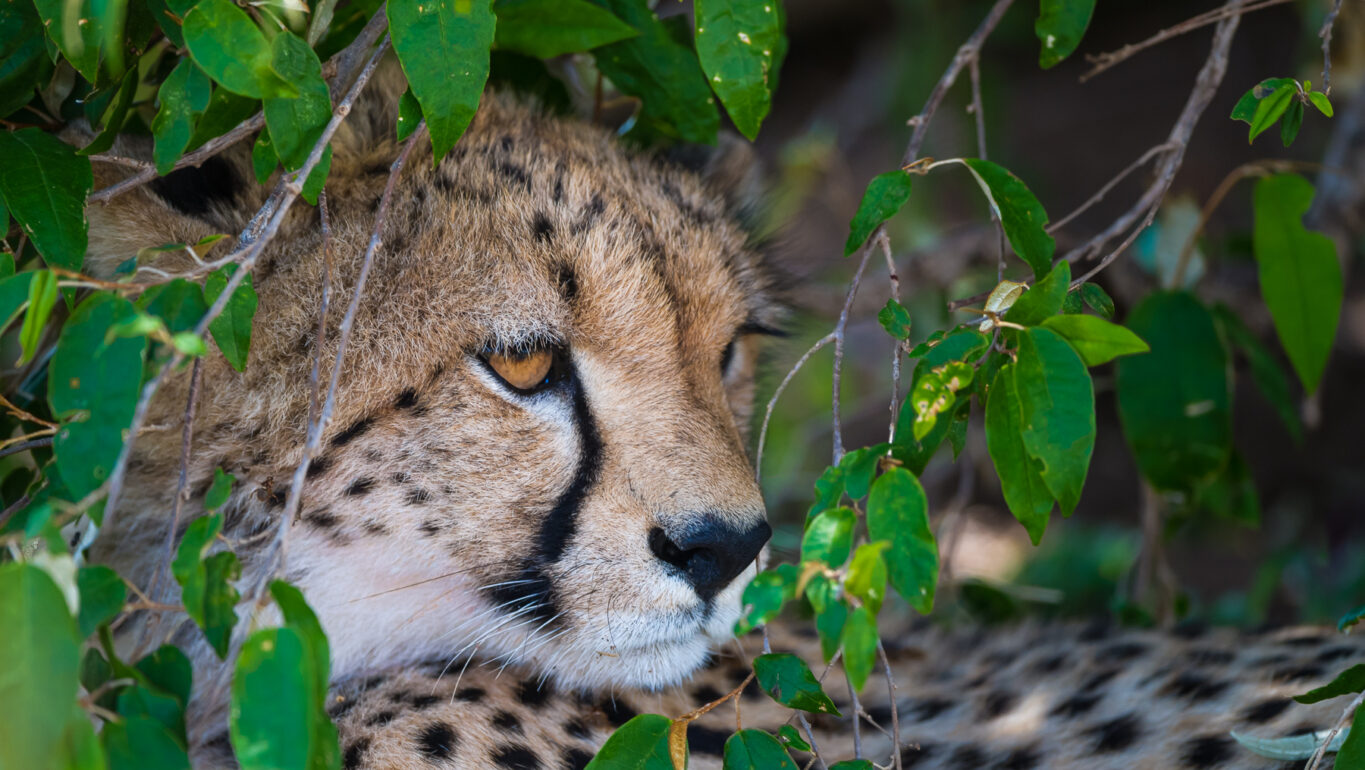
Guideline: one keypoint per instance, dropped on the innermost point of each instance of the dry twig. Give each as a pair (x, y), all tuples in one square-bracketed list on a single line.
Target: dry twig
[(1331, 736), (1326, 34)]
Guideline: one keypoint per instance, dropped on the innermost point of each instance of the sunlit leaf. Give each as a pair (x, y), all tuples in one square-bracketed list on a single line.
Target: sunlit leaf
[(1020, 214), (737, 42), (232, 328), (272, 718), (640, 744), (38, 682), (790, 682), (1044, 299), (1270, 109), (229, 47), (751, 749), (898, 513), (829, 536), (1095, 339)]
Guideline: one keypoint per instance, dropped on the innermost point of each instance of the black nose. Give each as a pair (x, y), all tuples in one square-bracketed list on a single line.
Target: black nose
[(710, 554)]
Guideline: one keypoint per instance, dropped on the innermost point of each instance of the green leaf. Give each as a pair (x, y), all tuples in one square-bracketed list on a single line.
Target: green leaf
[(114, 116), (1269, 110), (296, 123), (168, 670), (102, 595), (935, 392), (895, 319), (1020, 213), (1319, 100), (860, 646), (1245, 110), (885, 195), (184, 95), (1044, 299), (1351, 618), (142, 742), (44, 184), (1175, 403), (225, 111), (1266, 371), (857, 468), (1299, 274), (1231, 494), (206, 582), (751, 749), (829, 625), (853, 764), (663, 72), (312, 186), (23, 54), (98, 380), (1293, 119), (789, 681), (1057, 409), (409, 115), (915, 453), (218, 493), (80, 749), (232, 329), (898, 512), (1095, 339), (867, 575), (640, 744), (76, 29), (1060, 26), (1073, 303), (549, 28), (1352, 753), (829, 488), (38, 682), (1350, 681), (14, 291), (326, 752), (1098, 300), (443, 46), (736, 42), (829, 536), (42, 296), (272, 719), (792, 737), (178, 303), (764, 596), (1293, 747), (1026, 495), (228, 46)]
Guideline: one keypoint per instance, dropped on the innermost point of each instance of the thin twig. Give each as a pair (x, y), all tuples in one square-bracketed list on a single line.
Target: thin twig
[(278, 552), (772, 402), (895, 714), (839, 330), (857, 709), (182, 483), (1326, 34), (1110, 185), (113, 486), (209, 149), (24, 446), (885, 242), (1331, 736), (1104, 61)]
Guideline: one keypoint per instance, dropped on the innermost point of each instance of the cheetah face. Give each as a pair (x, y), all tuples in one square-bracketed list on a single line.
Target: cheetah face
[(538, 453)]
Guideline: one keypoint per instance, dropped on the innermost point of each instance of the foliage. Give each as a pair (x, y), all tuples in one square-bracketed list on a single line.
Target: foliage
[(189, 73)]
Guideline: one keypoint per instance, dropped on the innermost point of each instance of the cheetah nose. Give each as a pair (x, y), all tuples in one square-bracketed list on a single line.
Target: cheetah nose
[(712, 553)]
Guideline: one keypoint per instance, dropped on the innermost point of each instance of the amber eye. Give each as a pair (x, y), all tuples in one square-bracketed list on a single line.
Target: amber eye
[(523, 370)]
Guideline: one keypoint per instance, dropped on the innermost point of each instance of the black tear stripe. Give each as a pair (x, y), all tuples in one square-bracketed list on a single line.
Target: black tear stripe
[(559, 525)]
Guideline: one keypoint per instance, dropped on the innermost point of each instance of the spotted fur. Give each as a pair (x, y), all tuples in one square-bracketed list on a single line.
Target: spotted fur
[(499, 575)]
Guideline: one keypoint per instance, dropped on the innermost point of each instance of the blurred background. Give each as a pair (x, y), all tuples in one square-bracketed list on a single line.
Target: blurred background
[(856, 71)]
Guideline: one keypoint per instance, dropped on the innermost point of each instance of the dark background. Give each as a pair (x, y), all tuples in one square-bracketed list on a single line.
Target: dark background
[(855, 72)]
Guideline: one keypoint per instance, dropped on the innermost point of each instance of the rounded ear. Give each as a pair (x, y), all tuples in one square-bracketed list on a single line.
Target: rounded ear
[(730, 169)]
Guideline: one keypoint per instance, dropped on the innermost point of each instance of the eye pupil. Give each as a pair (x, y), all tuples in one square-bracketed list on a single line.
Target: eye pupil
[(523, 371), (726, 357)]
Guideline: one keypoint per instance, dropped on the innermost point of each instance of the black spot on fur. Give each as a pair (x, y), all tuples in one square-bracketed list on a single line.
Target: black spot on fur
[(418, 496), (407, 399), (1207, 751), (996, 704), (534, 694), (576, 759), (423, 702), (318, 466), (568, 284), (618, 713), (967, 757), (1194, 687), (1116, 734), (360, 486), (355, 753), (705, 740), (1296, 673), (515, 174), (542, 228), (588, 217), (437, 741), (929, 708), (1076, 705), (350, 434), (516, 758), (1122, 651), (276, 498), (1024, 758), (380, 718), (400, 477), (1305, 641), (706, 693), (338, 708), (912, 756), (194, 190), (470, 694), (1190, 629), (429, 528), (322, 518), (1097, 630), (1049, 664), (1333, 654), (1099, 679), (1208, 656), (506, 720), (1265, 711), (578, 729)]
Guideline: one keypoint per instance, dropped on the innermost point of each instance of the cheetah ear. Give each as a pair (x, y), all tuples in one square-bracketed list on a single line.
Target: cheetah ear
[(730, 169)]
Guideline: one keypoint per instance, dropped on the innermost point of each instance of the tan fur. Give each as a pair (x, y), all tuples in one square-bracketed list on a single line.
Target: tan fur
[(430, 492)]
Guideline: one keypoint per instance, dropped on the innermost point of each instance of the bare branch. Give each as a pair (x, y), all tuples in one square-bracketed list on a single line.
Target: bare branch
[(895, 715), (772, 402), (1326, 34), (1331, 736), (839, 329), (1104, 61), (209, 149)]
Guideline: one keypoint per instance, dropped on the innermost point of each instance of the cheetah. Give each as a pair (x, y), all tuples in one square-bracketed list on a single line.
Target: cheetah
[(533, 511)]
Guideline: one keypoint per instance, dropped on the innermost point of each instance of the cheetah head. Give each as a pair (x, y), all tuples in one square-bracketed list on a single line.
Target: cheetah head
[(538, 451)]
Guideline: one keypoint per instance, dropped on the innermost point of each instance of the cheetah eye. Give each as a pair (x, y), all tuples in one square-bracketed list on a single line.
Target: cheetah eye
[(727, 357), (526, 371)]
